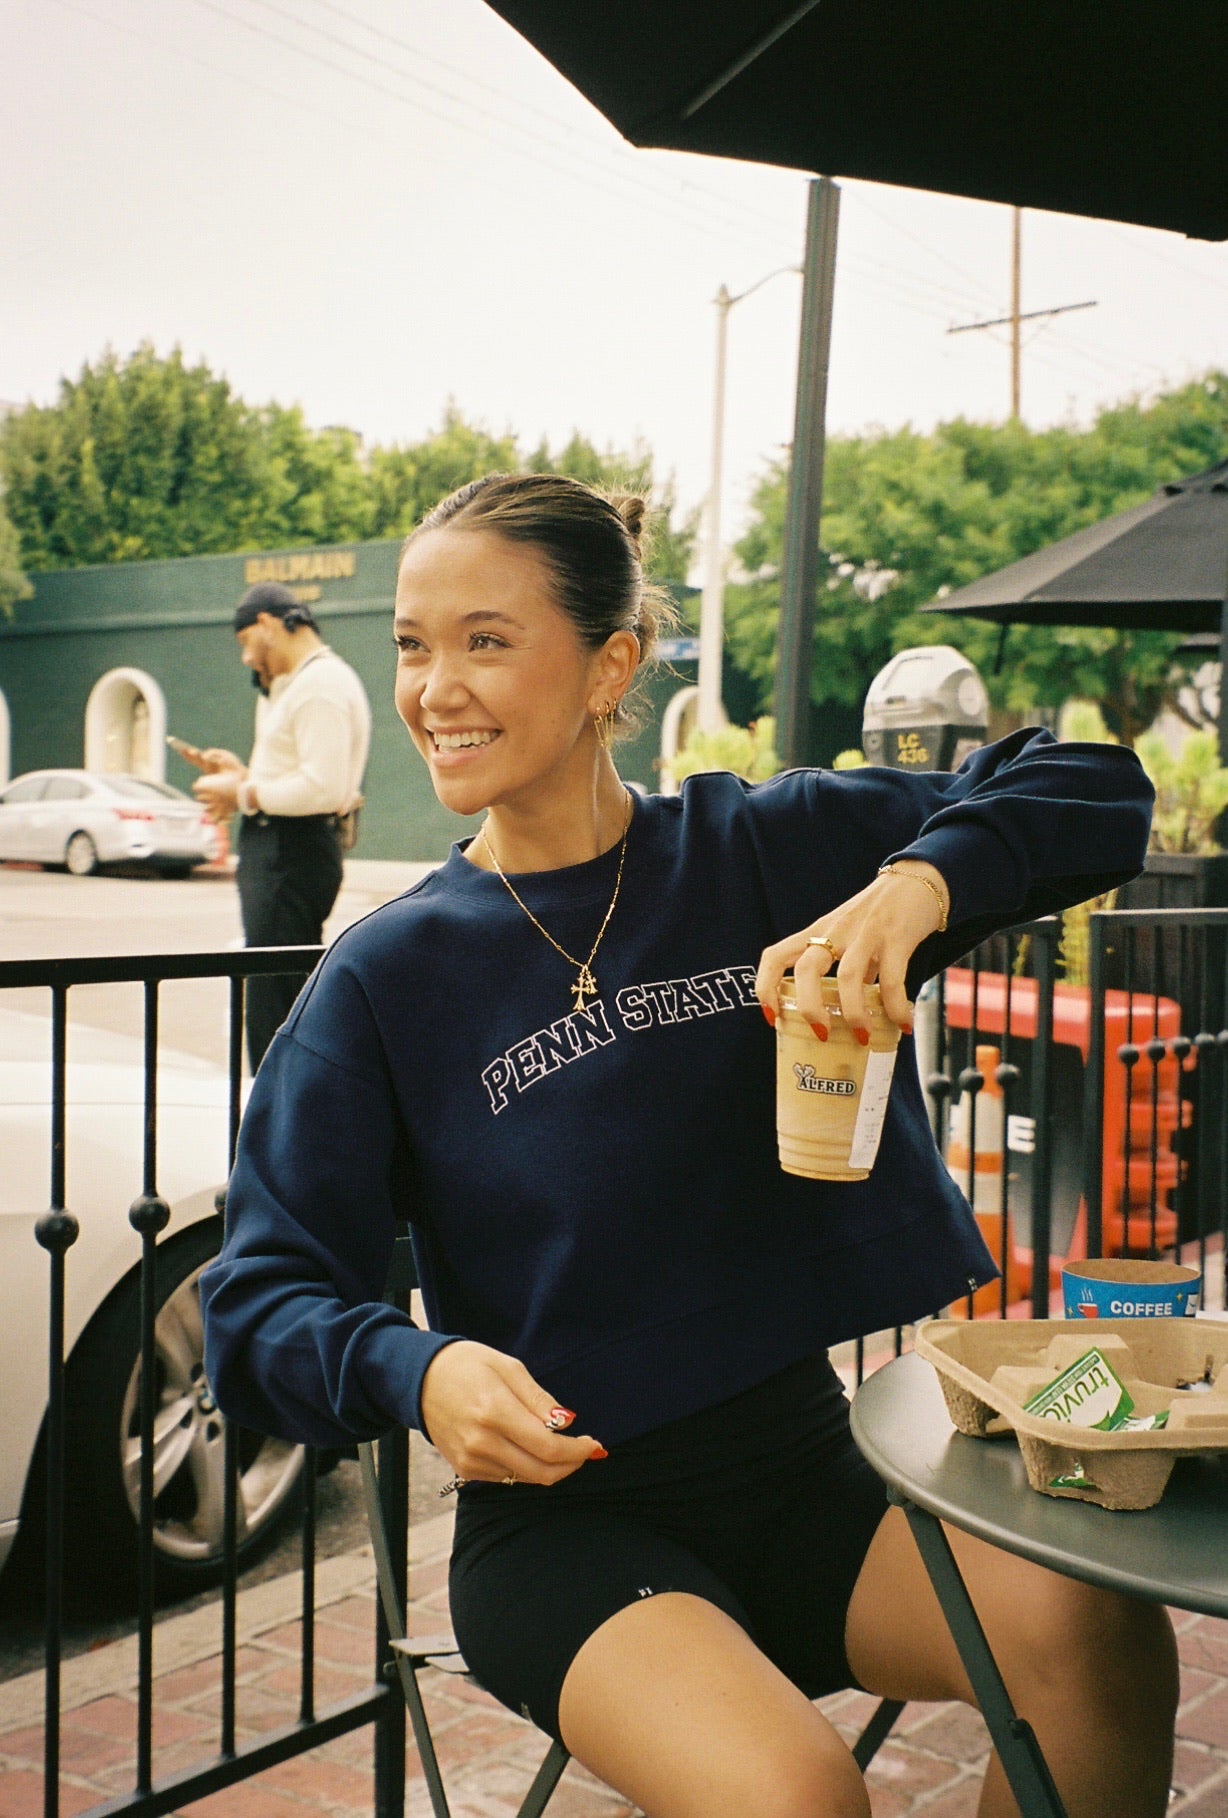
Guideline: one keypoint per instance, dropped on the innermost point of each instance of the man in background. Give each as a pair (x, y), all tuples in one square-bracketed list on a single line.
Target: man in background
[(297, 795)]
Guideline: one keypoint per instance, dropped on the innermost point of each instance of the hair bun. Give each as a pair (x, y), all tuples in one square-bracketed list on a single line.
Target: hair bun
[(633, 510)]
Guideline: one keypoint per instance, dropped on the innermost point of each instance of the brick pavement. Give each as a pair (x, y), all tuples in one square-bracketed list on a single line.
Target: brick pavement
[(931, 1765)]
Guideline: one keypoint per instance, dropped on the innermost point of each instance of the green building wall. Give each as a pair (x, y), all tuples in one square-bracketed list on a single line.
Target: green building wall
[(173, 620)]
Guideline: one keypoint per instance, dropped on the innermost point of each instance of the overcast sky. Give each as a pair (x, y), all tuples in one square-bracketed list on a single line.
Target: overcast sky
[(369, 207)]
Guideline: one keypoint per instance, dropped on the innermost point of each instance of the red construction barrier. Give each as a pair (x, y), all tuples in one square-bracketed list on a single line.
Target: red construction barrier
[(1139, 1018)]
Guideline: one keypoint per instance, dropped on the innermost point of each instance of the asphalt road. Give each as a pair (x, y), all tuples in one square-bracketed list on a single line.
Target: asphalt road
[(49, 915), (46, 914)]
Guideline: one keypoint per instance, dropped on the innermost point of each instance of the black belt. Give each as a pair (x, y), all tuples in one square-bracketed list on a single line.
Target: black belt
[(261, 819)]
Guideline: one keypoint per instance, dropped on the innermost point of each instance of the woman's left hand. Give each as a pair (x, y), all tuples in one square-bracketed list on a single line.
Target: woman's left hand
[(870, 938)]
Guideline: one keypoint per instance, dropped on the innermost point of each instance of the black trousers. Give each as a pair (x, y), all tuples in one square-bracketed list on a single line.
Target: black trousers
[(289, 875)]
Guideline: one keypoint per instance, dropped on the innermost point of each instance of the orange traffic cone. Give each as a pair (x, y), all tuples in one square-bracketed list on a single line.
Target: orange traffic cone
[(982, 1183)]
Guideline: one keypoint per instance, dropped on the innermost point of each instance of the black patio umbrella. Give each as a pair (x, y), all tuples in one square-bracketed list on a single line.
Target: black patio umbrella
[(1061, 104), (1161, 566)]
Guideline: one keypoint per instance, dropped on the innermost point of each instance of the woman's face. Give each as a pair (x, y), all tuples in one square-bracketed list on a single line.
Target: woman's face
[(493, 681)]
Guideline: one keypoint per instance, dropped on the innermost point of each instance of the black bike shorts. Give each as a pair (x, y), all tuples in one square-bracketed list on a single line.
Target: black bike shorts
[(762, 1505)]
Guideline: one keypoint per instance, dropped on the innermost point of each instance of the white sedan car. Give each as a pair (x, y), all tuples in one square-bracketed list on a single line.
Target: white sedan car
[(104, 1133), (82, 819)]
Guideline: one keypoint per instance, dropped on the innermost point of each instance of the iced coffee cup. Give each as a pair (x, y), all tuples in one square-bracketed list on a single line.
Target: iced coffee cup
[(831, 1097)]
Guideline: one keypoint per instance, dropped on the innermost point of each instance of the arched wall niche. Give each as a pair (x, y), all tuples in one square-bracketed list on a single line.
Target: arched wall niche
[(125, 725)]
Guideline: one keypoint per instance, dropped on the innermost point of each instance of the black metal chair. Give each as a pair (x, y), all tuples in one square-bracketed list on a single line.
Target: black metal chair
[(441, 1652)]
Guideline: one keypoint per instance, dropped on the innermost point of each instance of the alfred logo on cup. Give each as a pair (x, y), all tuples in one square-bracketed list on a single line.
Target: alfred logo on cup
[(831, 1096), (810, 1081)]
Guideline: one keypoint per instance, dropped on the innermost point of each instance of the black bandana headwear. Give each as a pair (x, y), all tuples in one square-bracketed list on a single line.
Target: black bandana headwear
[(278, 601)]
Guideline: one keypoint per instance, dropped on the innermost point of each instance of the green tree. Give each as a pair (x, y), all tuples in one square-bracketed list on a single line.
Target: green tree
[(316, 483), (910, 517), (152, 457), (13, 583)]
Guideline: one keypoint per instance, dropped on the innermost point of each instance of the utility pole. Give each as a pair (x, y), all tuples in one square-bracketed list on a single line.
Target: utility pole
[(1016, 261), (799, 573), (1017, 316), (710, 714)]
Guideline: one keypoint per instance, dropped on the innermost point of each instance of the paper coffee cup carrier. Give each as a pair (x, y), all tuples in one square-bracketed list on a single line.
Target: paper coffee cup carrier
[(1102, 1409), (831, 1097)]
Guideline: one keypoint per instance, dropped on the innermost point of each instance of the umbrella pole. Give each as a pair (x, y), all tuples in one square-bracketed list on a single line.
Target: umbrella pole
[(800, 563)]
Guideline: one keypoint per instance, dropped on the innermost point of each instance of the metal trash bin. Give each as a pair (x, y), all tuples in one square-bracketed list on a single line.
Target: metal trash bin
[(926, 710)]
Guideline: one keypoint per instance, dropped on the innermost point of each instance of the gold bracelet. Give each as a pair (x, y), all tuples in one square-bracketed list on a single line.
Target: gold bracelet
[(917, 878)]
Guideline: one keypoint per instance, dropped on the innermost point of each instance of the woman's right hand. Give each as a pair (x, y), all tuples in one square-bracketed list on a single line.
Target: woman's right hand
[(492, 1422)]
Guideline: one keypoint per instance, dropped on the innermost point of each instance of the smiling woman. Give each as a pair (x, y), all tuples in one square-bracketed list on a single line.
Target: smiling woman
[(521, 620), (666, 1542)]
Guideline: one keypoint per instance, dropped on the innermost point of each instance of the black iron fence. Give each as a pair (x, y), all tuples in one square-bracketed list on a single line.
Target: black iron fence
[(1078, 1084), (1155, 1166), (1079, 1118), (57, 1230)]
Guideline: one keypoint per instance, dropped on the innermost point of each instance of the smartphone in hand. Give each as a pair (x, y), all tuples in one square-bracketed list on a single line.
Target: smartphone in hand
[(192, 754)]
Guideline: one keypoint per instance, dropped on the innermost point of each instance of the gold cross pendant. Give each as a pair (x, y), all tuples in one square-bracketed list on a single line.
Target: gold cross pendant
[(585, 986)]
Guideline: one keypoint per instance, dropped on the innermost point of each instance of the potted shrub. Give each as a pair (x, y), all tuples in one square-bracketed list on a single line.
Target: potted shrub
[(1187, 867), (749, 751)]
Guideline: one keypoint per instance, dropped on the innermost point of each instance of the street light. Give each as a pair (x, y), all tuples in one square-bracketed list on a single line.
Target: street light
[(709, 712)]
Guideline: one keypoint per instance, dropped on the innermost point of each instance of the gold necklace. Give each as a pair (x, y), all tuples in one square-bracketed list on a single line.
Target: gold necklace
[(586, 984)]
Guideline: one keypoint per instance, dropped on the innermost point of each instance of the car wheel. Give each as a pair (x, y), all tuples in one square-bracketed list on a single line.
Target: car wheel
[(81, 855), (104, 1449)]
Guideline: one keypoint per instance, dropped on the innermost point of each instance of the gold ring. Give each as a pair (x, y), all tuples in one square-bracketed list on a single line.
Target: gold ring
[(821, 940)]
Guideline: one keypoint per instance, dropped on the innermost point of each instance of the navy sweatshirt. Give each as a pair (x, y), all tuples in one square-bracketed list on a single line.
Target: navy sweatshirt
[(597, 1192)]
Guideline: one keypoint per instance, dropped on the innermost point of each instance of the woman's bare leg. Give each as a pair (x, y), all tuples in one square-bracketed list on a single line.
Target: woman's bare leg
[(673, 1705), (1095, 1674)]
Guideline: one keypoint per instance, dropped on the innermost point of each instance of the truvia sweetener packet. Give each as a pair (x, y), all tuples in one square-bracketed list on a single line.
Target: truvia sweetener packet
[(1089, 1393)]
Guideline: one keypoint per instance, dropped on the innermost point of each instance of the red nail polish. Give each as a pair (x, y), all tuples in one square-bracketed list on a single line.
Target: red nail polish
[(820, 1031), (559, 1417), (770, 1014), (905, 1028), (598, 1452), (863, 1036)]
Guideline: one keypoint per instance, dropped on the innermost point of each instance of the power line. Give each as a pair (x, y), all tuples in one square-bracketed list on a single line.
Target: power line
[(617, 147), (914, 292), (367, 127), (1149, 250), (939, 300), (904, 290), (977, 284), (604, 171)]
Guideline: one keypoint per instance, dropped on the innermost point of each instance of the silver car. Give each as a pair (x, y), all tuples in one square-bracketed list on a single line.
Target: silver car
[(82, 819), (104, 1142)]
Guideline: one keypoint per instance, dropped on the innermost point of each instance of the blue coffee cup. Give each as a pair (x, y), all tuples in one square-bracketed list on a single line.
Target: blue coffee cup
[(1126, 1287)]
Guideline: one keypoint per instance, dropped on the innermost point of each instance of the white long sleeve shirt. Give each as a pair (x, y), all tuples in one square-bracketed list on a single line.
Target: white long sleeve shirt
[(313, 732)]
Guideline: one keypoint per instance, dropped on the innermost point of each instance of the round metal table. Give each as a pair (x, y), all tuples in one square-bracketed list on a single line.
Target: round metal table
[(1175, 1553)]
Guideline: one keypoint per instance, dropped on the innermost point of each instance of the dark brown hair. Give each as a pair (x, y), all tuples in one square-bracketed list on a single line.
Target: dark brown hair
[(592, 542)]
